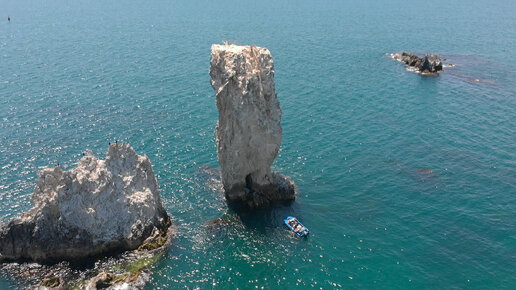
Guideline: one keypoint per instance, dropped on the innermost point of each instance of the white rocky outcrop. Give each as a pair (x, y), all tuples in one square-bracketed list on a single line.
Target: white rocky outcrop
[(249, 131), (98, 207)]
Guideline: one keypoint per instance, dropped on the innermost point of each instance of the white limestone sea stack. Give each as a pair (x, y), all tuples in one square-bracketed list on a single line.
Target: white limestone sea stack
[(249, 131), (101, 206)]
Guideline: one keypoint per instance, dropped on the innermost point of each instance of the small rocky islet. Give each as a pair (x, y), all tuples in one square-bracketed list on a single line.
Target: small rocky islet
[(110, 210), (428, 64)]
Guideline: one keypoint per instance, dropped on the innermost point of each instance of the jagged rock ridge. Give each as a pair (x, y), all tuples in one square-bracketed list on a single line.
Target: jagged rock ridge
[(97, 207), (249, 131)]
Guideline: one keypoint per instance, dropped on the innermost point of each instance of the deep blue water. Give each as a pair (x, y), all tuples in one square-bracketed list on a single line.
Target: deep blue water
[(405, 181)]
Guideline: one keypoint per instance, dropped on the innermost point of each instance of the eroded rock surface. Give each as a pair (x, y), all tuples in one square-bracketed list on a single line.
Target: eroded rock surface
[(98, 207), (249, 131), (430, 63)]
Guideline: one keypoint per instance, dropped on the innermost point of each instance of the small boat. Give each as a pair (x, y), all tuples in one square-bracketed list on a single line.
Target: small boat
[(296, 226)]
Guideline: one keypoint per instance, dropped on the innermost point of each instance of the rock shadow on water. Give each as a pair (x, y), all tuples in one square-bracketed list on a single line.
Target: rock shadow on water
[(270, 217), (240, 214), (260, 221)]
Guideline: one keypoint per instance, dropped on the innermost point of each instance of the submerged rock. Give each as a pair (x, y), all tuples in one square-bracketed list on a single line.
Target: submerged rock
[(51, 282), (101, 206), (430, 63), (425, 171), (211, 178), (249, 131)]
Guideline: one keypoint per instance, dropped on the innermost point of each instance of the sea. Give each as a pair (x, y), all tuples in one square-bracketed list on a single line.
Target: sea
[(405, 181)]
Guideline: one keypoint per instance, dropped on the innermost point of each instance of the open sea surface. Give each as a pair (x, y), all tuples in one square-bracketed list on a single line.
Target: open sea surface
[(405, 181)]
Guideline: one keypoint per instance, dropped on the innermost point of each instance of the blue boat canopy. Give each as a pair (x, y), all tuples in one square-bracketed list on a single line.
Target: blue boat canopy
[(296, 226)]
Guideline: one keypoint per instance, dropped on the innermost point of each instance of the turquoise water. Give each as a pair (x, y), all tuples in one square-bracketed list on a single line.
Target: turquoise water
[(404, 181)]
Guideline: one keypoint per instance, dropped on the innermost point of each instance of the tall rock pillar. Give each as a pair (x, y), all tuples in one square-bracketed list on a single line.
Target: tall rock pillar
[(249, 131)]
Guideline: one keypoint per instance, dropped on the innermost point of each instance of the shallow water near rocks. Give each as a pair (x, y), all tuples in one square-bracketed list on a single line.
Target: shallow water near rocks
[(404, 181)]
